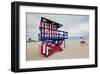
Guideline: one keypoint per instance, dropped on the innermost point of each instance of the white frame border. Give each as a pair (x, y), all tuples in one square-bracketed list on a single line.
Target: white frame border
[(51, 63)]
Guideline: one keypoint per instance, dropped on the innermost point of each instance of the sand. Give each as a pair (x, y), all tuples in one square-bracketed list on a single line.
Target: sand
[(73, 50)]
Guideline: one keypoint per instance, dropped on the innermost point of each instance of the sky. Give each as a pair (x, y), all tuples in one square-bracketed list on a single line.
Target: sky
[(75, 25)]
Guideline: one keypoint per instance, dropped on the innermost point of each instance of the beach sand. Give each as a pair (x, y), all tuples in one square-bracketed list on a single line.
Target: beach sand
[(73, 50)]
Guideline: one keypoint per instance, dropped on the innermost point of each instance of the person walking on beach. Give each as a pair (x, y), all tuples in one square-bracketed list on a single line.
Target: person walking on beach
[(82, 41)]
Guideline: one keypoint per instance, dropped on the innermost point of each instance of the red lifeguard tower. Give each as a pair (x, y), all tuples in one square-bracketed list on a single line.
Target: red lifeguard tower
[(51, 37)]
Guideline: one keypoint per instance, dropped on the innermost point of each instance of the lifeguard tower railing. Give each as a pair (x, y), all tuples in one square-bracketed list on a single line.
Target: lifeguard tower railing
[(60, 35)]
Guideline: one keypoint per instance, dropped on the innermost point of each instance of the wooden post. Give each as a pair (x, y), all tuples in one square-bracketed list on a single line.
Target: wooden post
[(64, 44)]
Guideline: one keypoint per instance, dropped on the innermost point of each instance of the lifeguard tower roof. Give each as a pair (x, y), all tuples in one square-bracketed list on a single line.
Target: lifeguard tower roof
[(51, 22)]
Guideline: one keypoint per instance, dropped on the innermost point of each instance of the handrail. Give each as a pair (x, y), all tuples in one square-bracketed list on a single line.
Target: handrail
[(53, 37), (61, 35)]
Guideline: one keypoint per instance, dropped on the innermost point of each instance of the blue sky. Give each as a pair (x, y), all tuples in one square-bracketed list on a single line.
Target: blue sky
[(75, 25)]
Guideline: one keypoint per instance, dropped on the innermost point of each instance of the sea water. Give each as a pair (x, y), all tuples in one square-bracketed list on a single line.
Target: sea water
[(76, 39)]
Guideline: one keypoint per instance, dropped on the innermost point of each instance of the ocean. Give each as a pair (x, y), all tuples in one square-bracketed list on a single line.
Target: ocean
[(76, 39)]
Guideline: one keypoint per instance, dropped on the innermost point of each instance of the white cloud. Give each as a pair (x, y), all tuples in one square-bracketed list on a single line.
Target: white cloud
[(75, 25)]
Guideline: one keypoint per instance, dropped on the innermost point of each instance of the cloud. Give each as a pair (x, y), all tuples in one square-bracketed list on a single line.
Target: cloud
[(79, 30), (75, 25)]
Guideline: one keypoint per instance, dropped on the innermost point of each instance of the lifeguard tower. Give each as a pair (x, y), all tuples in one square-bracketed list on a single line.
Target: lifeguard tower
[(51, 37)]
